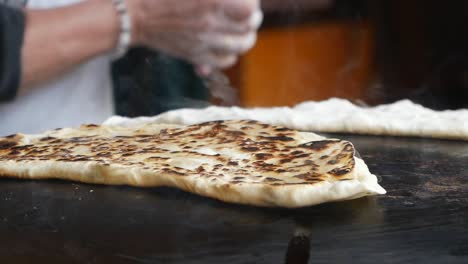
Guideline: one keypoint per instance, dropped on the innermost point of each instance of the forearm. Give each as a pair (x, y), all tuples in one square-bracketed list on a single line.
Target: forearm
[(56, 40)]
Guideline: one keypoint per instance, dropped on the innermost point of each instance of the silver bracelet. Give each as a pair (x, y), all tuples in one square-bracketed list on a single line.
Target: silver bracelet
[(125, 28)]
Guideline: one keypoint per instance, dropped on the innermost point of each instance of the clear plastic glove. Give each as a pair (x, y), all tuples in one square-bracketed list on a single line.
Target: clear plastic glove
[(208, 33)]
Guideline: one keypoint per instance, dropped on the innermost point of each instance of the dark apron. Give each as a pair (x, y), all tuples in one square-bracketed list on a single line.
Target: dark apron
[(147, 83)]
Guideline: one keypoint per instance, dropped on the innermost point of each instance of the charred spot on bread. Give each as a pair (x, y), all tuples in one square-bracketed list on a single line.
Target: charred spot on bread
[(6, 144), (319, 145)]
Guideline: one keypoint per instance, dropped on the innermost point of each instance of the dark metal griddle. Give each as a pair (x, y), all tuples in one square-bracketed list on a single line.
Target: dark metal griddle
[(422, 219)]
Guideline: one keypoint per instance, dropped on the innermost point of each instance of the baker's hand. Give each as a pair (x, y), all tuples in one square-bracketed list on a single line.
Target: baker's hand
[(207, 33)]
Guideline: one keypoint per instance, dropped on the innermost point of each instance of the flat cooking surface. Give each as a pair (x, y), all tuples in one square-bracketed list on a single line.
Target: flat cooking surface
[(422, 219)]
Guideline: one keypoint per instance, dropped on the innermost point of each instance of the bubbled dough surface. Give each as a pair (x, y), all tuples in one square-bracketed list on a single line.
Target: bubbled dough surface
[(402, 118)]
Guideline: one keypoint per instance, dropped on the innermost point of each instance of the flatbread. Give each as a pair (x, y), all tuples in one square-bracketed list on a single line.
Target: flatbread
[(242, 162), (402, 118)]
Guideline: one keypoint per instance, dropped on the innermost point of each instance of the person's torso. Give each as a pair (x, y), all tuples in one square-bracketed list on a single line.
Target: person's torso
[(84, 95)]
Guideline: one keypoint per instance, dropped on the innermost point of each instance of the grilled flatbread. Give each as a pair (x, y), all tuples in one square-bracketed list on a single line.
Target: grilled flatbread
[(242, 162)]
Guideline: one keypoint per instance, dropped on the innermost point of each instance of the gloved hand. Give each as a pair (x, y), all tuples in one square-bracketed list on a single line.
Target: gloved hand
[(207, 33)]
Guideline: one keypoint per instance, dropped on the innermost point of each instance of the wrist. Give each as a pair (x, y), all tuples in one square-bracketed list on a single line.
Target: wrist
[(108, 22)]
